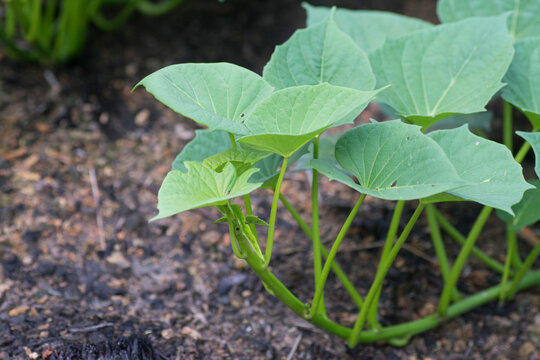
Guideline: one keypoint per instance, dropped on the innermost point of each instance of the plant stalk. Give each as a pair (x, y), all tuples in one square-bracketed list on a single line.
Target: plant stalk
[(319, 286), (390, 236), (461, 259), (381, 274), (523, 270), (336, 268), (511, 245), (479, 254), (273, 212), (317, 263)]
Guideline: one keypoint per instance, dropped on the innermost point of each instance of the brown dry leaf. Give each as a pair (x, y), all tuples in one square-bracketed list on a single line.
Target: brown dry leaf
[(18, 310), (192, 333), (14, 154)]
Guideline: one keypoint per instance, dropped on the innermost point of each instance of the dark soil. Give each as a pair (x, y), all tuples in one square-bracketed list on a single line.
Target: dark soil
[(85, 275)]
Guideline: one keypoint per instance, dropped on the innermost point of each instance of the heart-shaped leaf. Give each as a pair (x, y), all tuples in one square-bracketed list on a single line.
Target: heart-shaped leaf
[(523, 78), (369, 29), (291, 117), (444, 70), (200, 187), (495, 178), (205, 143), (393, 161), (321, 53), (218, 95), (240, 158), (523, 22), (534, 140), (527, 211)]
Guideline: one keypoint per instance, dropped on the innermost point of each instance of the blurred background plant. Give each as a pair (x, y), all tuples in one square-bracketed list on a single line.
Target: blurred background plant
[(54, 31)]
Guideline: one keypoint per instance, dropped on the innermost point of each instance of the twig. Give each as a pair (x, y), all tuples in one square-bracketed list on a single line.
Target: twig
[(294, 347), (90, 328), (99, 218)]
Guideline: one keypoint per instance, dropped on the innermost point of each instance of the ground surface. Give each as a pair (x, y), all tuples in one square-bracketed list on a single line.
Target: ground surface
[(78, 150)]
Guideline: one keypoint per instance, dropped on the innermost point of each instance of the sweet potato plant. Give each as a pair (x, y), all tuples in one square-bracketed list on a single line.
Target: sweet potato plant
[(258, 127)]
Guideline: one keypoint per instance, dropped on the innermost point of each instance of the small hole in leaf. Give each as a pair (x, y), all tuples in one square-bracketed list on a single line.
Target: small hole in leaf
[(407, 138), (242, 115)]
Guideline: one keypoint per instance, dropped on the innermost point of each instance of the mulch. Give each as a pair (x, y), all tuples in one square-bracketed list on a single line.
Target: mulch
[(84, 275)]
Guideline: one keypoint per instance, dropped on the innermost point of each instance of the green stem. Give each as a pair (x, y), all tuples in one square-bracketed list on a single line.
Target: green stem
[(273, 212), (461, 259), (456, 309), (381, 274), (507, 125), (234, 243), (247, 198), (317, 263), (511, 242), (515, 259), (523, 270), (438, 245), (479, 254), (386, 333), (390, 236), (336, 268), (319, 286)]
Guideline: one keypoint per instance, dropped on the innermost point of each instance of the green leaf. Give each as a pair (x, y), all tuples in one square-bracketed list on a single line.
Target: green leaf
[(534, 140), (523, 22), (444, 70), (327, 145), (477, 122), (523, 78), (240, 158), (495, 178), (205, 144), (269, 167), (369, 29), (200, 187), (321, 53), (218, 95), (221, 220), (393, 161), (527, 211), (291, 117), (251, 219)]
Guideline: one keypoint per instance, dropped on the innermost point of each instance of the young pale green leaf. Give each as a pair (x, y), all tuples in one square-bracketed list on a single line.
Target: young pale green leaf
[(523, 78), (527, 211), (240, 158), (291, 117), (444, 70), (369, 29), (523, 22), (534, 140), (321, 53), (218, 95), (393, 161), (200, 187), (495, 178), (205, 144)]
